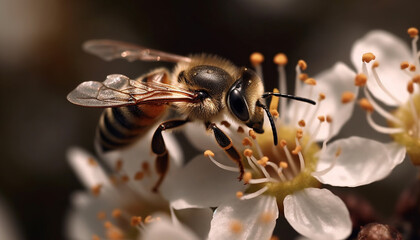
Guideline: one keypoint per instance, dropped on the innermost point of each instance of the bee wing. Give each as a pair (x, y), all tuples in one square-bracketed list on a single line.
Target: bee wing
[(111, 49), (118, 90)]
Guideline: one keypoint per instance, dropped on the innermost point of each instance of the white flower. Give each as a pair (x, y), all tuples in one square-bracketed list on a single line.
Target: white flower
[(394, 80), (123, 205), (288, 175)]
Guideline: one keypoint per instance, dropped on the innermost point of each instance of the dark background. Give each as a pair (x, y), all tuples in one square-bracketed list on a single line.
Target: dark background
[(41, 61)]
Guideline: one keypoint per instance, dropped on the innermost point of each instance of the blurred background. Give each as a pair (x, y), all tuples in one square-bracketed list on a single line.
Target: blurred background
[(41, 61)]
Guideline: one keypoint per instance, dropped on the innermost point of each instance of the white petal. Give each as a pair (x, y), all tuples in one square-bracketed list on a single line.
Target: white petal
[(201, 184), (87, 168), (196, 219), (362, 161), (317, 214), (332, 82), (390, 51), (164, 229), (257, 218)]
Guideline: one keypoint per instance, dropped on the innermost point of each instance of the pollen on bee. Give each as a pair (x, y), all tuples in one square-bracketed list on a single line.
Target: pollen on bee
[(239, 194), (367, 57), (283, 164), (302, 123), (118, 165), (404, 65), (95, 237), (297, 150), (139, 175), (303, 76), (366, 105), (92, 162), (410, 87), (310, 81), (101, 215), (236, 226), (274, 113), (302, 64), (116, 213), (347, 97), (283, 143), (208, 153), (263, 161), (135, 220), (240, 129), (321, 118), (280, 59), (252, 134), (321, 96), (247, 142), (412, 68), (256, 58), (360, 80), (96, 190), (248, 152), (247, 177), (416, 78), (266, 217), (413, 32)]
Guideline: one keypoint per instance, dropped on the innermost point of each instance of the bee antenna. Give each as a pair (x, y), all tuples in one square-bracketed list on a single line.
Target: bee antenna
[(270, 117), (267, 94)]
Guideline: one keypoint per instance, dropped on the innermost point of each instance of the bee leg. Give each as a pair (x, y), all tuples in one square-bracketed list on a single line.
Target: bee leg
[(159, 148), (226, 144)]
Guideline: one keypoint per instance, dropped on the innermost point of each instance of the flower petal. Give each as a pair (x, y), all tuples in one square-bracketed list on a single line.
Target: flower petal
[(390, 51), (196, 219), (333, 83), (362, 161), (164, 229), (201, 184), (317, 214), (245, 219)]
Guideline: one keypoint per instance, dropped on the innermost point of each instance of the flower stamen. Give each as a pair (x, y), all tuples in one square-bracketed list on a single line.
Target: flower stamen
[(210, 155), (255, 194), (256, 59)]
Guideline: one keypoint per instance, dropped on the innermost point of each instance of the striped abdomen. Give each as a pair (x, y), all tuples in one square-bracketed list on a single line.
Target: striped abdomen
[(121, 126)]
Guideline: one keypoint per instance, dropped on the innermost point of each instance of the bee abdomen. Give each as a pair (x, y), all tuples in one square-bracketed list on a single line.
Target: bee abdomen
[(122, 126)]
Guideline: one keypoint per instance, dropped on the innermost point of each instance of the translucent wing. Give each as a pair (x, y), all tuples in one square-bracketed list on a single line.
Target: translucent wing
[(110, 50), (118, 90)]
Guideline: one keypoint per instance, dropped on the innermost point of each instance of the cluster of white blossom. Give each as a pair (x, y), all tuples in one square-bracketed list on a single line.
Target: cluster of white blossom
[(201, 198)]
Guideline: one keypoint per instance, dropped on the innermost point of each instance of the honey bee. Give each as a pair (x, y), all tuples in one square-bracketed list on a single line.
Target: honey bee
[(201, 87)]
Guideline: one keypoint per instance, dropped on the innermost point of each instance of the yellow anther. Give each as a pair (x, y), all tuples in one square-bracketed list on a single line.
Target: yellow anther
[(410, 87), (310, 81), (274, 101), (360, 80), (274, 113), (236, 227), (375, 64), (256, 58), (321, 96), (248, 152), (366, 105), (247, 142), (240, 129), (338, 152), (329, 119), (412, 68), (302, 123), (101, 215), (404, 65), (266, 217), (299, 133), (283, 143), (283, 165), (413, 32), (280, 59), (148, 219), (225, 123), (208, 153), (96, 190), (239, 194), (108, 225), (321, 118), (92, 162), (252, 134), (347, 97), (247, 177), (118, 165), (416, 78), (135, 221), (116, 213), (139, 175), (367, 57), (95, 237), (302, 64), (263, 161), (303, 76), (297, 150)]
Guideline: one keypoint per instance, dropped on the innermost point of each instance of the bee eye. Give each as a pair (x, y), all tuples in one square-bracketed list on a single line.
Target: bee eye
[(238, 105)]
